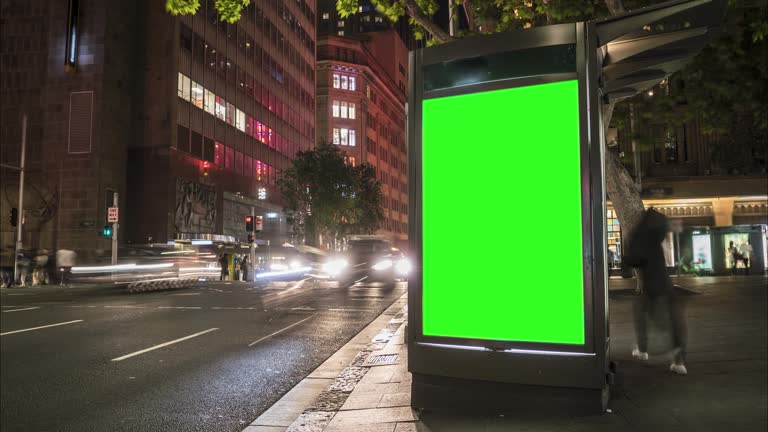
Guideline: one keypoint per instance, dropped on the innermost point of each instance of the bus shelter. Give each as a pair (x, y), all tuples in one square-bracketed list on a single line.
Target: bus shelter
[(506, 147)]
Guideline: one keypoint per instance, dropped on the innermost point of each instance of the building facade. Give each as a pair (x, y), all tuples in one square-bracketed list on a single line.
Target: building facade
[(708, 188), (361, 107), (366, 20), (189, 119)]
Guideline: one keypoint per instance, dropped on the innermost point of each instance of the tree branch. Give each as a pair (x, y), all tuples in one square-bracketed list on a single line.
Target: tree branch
[(470, 16), (423, 20)]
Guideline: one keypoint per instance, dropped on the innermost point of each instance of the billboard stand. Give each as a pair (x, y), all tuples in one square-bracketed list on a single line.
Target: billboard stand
[(510, 125)]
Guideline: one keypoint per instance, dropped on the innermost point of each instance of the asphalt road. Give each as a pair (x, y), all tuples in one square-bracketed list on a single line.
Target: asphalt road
[(201, 359)]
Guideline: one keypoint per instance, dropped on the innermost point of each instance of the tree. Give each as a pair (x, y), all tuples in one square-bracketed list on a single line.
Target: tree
[(229, 10), (491, 16), (724, 89), (327, 198)]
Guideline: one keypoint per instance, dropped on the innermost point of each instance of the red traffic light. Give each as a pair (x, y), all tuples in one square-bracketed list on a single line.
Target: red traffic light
[(249, 223), (248, 219)]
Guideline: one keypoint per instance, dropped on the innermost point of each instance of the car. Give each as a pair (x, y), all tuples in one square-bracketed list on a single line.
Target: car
[(368, 259)]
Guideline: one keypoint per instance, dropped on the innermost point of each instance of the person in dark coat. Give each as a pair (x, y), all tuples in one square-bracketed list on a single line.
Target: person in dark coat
[(224, 263), (646, 253)]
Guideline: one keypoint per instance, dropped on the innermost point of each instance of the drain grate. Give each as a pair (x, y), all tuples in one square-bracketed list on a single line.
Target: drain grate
[(383, 359)]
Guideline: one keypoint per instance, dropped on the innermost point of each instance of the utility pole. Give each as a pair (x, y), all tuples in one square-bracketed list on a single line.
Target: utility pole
[(252, 234), (21, 197), (115, 224)]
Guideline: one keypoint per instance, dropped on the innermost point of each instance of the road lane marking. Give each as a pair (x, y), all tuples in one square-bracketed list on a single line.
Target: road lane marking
[(280, 331), (163, 345), (125, 307), (41, 327), (179, 307), (19, 310), (186, 294)]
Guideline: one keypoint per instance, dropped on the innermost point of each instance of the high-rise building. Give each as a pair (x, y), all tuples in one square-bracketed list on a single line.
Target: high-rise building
[(189, 119), (361, 107), (367, 19)]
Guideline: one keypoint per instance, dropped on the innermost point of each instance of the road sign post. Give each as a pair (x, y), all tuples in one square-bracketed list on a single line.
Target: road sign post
[(113, 216)]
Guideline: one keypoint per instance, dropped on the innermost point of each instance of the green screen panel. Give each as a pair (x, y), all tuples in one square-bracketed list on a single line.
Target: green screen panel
[(501, 186)]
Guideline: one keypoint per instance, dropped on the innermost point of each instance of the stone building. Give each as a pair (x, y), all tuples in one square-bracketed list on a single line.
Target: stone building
[(361, 107)]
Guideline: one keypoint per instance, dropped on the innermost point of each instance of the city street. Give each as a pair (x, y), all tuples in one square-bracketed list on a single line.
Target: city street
[(199, 359)]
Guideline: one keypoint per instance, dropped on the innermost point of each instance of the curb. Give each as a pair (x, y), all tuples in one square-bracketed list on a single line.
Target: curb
[(317, 398)]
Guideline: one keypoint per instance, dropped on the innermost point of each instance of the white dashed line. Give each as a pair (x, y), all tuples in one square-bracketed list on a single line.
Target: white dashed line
[(41, 327), (163, 345), (280, 331), (179, 307), (19, 310)]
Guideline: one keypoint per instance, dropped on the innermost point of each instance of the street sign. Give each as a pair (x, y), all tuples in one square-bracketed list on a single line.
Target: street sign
[(112, 214)]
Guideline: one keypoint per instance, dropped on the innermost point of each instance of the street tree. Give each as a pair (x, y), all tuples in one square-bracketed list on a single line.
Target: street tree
[(491, 16), (326, 197), (229, 10), (724, 89)]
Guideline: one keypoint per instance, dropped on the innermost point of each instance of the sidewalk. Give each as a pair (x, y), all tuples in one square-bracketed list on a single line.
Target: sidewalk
[(726, 388)]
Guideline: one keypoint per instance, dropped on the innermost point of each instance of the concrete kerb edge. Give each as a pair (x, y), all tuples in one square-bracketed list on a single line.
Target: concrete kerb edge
[(350, 354)]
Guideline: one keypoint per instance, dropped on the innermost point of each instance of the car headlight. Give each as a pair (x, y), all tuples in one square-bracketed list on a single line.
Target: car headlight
[(383, 265), (278, 266), (334, 267), (403, 267), (295, 264)]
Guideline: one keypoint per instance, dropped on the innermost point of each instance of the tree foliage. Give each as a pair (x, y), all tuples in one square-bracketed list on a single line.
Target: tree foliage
[(326, 196), (229, 10)]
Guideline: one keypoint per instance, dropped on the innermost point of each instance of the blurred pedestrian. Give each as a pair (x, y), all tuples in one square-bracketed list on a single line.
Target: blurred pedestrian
[(658, 297), (24, 265), (65, 260), (40, 274), (745, 249), (224, 263), (236, 267), (733, 251), (244, 268)]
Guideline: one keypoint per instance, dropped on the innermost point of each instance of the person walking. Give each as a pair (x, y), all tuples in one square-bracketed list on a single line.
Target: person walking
[(65, 260), (646, 254), (745, 250), (733, 251), (40, 274), (244, 268), (224, 263)]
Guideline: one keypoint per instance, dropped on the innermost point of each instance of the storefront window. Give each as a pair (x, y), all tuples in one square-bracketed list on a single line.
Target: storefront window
[(702, 251), (614, 239), (739, 242)]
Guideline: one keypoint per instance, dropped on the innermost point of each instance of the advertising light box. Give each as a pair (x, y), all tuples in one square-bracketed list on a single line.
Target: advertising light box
[(502, 216)]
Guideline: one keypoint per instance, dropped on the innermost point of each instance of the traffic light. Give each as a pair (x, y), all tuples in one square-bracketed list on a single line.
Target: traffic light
[(249, 223), (107, 231), (251, 238), (14, 216)]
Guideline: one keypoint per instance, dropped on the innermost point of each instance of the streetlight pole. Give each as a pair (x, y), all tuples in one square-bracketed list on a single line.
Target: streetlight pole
[(21, 197)]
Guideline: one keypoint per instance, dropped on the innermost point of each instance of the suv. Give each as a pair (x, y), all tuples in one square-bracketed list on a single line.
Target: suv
[(369, 259)]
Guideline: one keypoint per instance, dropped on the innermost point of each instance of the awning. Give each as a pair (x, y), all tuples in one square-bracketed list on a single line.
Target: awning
[(641, 48)]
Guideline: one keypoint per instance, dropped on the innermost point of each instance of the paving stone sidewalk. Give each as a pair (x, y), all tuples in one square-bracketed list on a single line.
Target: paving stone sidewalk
[(726, 389)]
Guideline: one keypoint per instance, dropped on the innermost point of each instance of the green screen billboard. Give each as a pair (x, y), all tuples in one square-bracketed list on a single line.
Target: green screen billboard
[(502, 215)]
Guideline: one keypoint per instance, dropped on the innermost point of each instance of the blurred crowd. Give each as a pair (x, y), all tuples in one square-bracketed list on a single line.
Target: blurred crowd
[(36, 267)]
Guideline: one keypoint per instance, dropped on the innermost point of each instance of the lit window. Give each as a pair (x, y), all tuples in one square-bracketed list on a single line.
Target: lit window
[(378, 19), (344, 136), (352, 142), (209, 102), (367, 18), (344, 83), (221, 108), (262, 193), (184, 85), (336, 81), (340, 24), (326, 16), (230, 113), (360, 9), (197, 94), (352, 83), (352, 111), (335, 108), (341, 33), (336, 136), (240, 120), (344, 109)]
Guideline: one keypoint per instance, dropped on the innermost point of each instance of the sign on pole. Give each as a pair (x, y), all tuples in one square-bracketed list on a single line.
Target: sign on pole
[(112, 214)]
